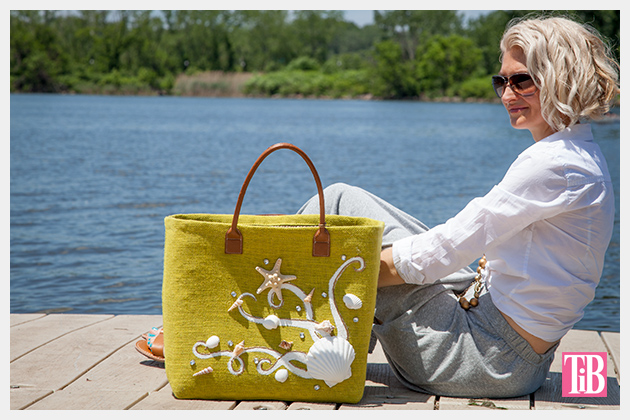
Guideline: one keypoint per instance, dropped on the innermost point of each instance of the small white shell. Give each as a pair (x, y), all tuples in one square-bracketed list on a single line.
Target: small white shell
[(212, 342), (352, 301), (282, 375), (330, 359), (271, 322)]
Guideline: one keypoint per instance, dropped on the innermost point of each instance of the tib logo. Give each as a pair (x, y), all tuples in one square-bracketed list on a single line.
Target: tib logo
[(584, 374)]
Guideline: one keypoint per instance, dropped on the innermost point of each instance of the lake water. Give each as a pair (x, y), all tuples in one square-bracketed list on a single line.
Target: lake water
[(93, 177)]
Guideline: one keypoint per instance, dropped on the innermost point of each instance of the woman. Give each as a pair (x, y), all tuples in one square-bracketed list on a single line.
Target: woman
[(544, 230)]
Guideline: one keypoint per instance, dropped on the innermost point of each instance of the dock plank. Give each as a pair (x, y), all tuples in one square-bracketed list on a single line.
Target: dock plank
[(261, 405), (549, 395), (449, 403), (66, 361), (114, 384), (580, 341), (612, 342), (163, 399), (16, 319), (312, 406), (383, 391), (60, 362), (21, 398), (27, 336)]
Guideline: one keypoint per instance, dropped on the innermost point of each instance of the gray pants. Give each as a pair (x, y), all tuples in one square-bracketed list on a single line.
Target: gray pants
[(431, 343)]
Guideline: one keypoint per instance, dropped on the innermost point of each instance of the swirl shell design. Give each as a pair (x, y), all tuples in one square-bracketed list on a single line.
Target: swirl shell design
[(352, 301), (330, 360)]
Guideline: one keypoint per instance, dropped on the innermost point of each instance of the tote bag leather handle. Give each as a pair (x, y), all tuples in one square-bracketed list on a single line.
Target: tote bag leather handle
[(321, 240)]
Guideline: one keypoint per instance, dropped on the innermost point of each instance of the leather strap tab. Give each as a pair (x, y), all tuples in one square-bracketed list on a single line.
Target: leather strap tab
[(321, 240), (233, 242)]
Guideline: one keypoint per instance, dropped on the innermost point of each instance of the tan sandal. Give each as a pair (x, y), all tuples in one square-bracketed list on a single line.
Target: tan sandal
[(152, 345)]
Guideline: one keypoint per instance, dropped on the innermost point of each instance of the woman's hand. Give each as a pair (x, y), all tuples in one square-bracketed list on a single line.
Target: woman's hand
[(388, 276)]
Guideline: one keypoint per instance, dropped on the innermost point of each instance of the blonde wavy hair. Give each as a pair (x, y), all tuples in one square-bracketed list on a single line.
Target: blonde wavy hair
[(571, 65)]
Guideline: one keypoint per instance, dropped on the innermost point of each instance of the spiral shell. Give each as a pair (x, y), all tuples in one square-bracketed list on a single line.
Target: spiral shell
[(212, 342), (309, 297), (271, 322), (204, 371), (352, 301), (237, 303), (238, 349), (330, 359)]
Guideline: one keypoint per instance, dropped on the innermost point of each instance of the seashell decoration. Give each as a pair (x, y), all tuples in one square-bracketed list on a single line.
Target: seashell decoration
[(330, 359), (236, 304), (286, 345), (238, 349), (212, 342), (352, 301), (271, 322), (309, 297), (204, 371), (282, 375), (324, 327)]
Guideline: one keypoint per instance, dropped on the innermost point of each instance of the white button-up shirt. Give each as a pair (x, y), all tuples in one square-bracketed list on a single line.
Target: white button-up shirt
[(544, 229)]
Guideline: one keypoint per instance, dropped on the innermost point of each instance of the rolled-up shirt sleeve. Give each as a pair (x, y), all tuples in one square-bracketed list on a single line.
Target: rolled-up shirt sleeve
[(534, 188)]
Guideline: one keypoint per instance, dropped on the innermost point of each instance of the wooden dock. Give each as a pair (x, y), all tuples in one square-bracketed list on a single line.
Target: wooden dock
[(88, 362)]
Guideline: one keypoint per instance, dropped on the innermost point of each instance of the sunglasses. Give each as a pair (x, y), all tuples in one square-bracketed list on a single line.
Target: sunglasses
[(521, 83)]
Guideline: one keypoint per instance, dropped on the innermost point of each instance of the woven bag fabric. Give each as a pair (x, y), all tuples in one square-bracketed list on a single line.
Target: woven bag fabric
[(269, 307), (275, 322)]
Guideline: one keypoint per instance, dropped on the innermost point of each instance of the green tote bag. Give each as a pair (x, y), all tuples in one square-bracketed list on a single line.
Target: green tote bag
[(271, 307)]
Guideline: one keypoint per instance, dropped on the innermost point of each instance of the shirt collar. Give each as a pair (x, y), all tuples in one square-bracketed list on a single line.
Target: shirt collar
[(577, 132)]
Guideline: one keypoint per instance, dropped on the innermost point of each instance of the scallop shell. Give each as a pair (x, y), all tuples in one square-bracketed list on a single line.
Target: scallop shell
[(212, 342), (282, 375), (330, 359), (271, 322), (352, 301), (203, 371)]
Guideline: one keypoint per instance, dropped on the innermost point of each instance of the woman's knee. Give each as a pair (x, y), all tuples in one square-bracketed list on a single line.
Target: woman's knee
[(332, 196), (341, 198), (338, 188)]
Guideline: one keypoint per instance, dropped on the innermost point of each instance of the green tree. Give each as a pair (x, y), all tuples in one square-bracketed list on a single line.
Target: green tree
[(139, 50), (486, 32), (445, 62), (37, 61), (315, 30), (410, 28), (262, 40), (394, 77)]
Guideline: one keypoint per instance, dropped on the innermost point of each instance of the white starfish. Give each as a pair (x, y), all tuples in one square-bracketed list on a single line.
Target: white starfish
[(274, 279)]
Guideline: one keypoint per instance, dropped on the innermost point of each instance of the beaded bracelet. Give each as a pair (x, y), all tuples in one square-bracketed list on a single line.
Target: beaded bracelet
[(463, 302)]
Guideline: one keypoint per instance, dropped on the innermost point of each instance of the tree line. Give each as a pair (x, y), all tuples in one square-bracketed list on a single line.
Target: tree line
[(403, 54)]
